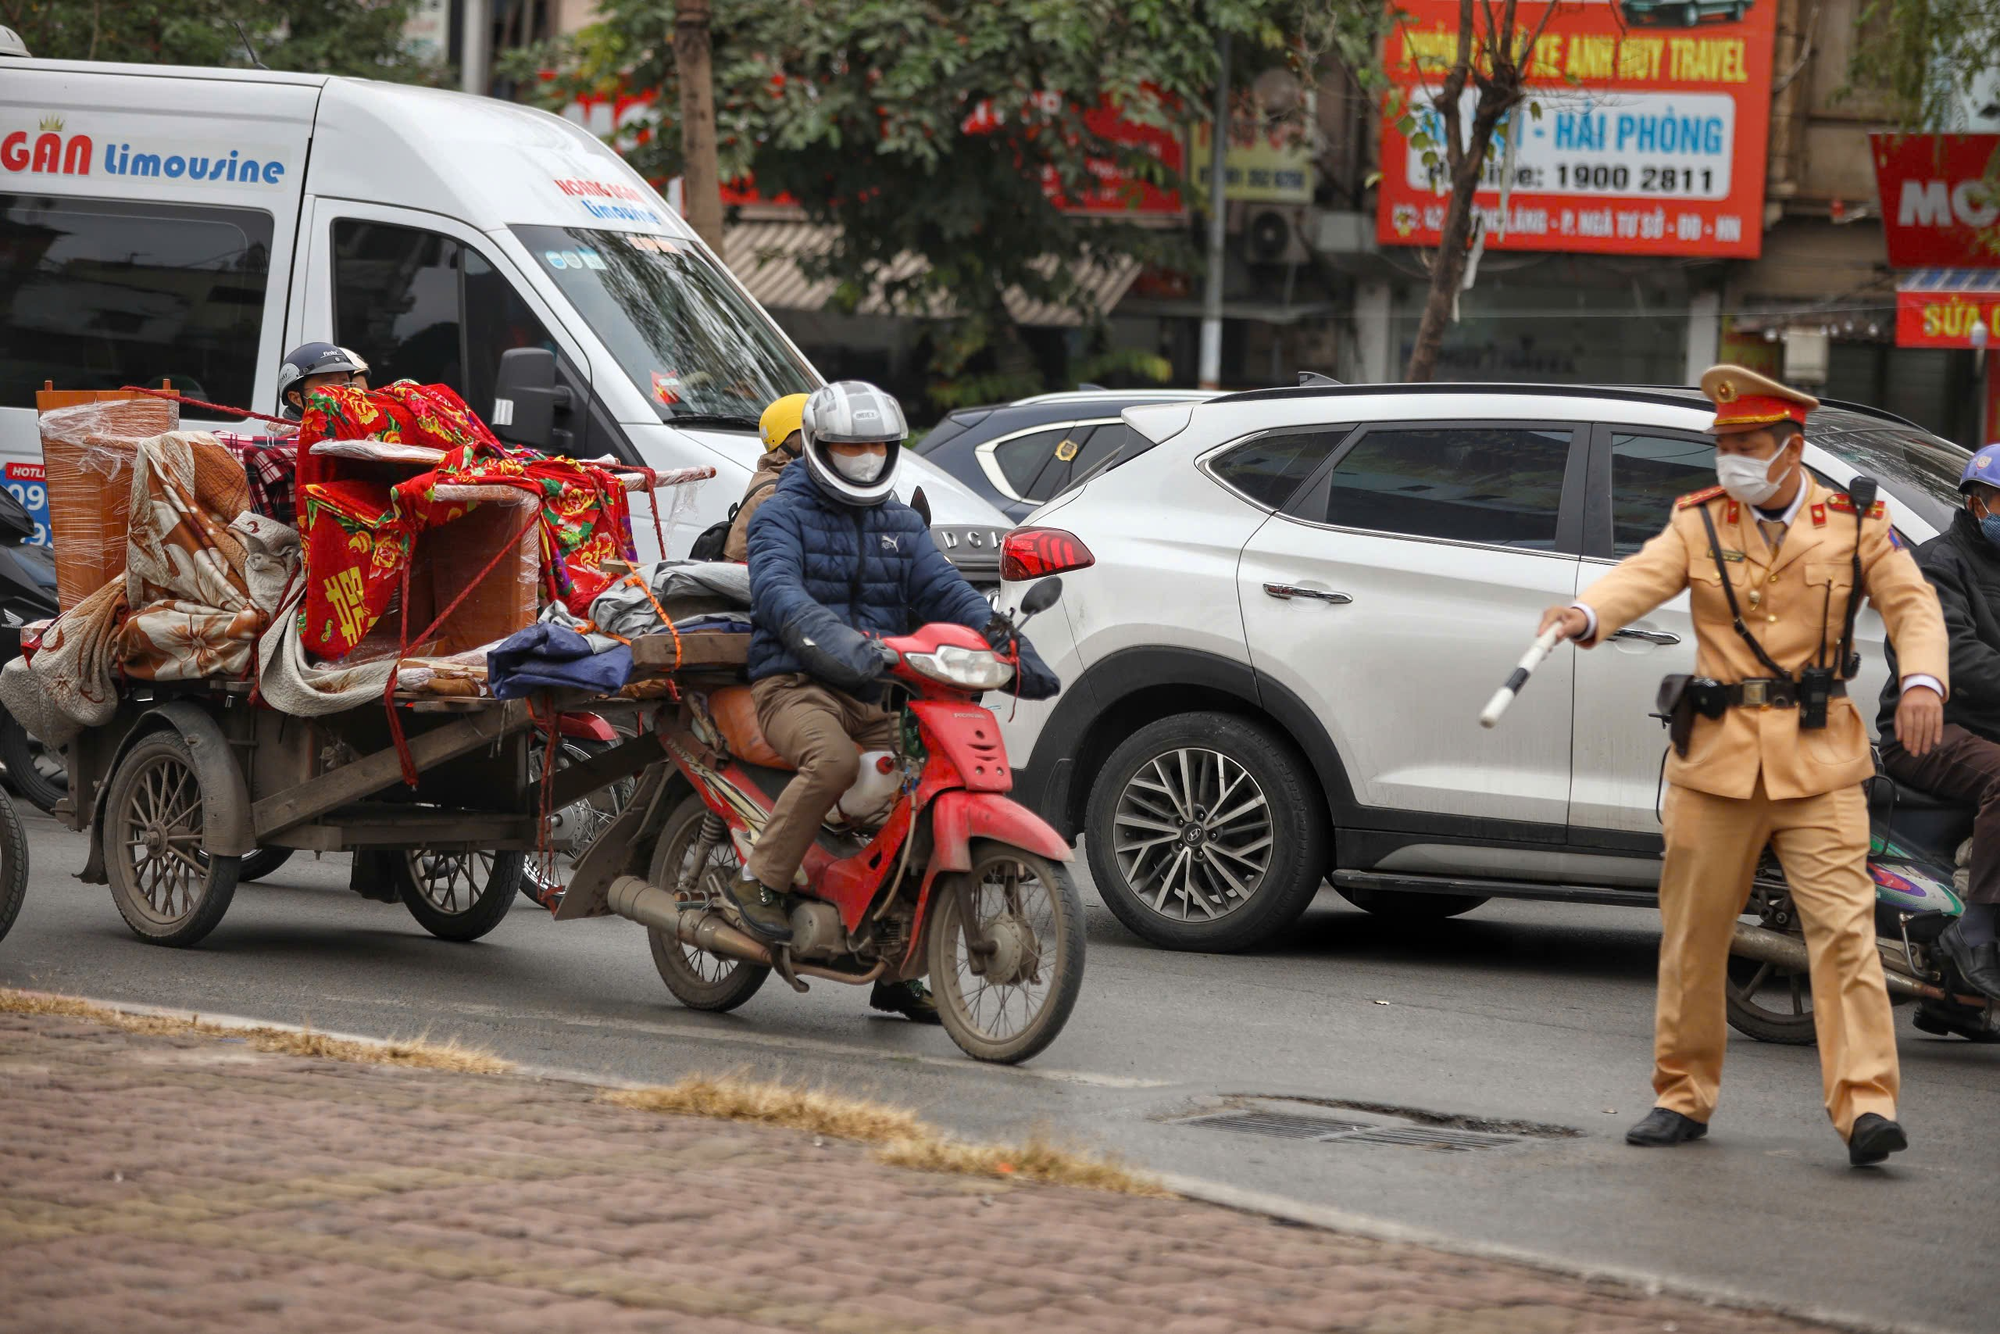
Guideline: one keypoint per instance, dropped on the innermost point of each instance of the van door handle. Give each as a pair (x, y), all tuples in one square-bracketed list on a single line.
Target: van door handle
[(1649, 636), (1286, 592)]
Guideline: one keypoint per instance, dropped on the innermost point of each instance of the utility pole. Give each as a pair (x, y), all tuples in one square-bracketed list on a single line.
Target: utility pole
[(1209, 373), (701, 183), (474, 47)]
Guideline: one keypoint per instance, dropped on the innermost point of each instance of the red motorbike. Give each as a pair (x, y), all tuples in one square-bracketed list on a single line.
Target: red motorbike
[(925, 867)]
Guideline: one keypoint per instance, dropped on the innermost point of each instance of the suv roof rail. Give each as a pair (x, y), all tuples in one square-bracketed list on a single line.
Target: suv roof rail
[(1675, 395), (1311, 379), (1094, 393)]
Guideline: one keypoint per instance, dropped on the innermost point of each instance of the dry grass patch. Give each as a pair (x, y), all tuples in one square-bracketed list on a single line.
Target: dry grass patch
[(416, 1053), (902, 1139)]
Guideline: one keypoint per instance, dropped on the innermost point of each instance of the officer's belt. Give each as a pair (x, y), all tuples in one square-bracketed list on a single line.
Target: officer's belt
[(1770, 693)]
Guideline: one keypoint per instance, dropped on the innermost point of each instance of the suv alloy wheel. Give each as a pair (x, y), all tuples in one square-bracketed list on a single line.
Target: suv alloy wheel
[(1207, 831)]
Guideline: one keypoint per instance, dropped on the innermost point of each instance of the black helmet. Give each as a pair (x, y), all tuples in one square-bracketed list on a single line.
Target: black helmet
[(309, 359)]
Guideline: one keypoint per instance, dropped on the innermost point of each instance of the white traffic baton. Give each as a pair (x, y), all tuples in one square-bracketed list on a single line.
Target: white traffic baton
[(1544, 644)]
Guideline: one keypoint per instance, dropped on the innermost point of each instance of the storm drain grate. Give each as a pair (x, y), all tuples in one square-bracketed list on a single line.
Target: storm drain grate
[(1319, 1129)]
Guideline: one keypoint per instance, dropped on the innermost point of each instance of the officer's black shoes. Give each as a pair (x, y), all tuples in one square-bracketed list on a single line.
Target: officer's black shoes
[(1873, 1139), (1979, 965), (759, 907), (1664, 1126)]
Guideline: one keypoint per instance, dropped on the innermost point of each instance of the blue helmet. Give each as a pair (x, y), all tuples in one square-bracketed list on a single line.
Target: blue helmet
[(1983, 467)]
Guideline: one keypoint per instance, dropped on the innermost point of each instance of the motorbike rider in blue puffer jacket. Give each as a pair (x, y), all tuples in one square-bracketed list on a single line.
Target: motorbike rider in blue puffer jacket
[(836, 564)]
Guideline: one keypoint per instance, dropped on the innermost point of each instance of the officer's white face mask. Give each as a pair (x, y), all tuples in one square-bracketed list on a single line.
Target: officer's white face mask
[(861, 469), (1749, 479)]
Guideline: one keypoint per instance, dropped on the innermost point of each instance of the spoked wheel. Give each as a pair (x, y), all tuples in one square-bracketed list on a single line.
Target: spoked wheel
[(692, 862), (458, 895), (1767, 1001), (575, 825), (13, 865), (1004, 948), (167, 889)]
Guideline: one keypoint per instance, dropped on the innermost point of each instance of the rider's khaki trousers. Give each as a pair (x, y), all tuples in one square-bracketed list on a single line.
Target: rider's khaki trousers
[(1713, 845), (817, 729)]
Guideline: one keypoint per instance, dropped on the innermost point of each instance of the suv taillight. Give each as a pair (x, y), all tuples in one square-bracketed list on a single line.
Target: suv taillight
[(1030, 553)]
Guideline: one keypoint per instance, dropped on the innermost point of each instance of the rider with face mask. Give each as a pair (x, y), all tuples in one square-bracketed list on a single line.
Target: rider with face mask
[(1963, 565), (836, 563)]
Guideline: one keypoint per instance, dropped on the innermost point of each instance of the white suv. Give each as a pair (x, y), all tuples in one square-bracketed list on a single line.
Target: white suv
[(1283, 610)]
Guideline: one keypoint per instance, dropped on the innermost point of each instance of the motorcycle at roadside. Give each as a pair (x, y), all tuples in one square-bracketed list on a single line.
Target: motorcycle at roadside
[(1913, 860), (925, 867), (27, 595)]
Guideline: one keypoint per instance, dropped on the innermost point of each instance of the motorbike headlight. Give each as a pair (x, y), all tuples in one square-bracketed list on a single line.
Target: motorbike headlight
[(967, 668)]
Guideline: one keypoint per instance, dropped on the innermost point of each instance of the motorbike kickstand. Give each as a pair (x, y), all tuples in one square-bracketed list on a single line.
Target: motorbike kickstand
[(781, 964)]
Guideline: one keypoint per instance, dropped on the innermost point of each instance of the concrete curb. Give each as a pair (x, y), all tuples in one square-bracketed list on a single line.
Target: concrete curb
[(1217, 1193)]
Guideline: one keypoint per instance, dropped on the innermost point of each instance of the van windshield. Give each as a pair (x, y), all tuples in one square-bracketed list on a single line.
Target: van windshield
[(693, 343)]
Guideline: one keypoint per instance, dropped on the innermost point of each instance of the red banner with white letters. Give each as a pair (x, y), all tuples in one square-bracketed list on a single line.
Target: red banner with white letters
[(1651, 138), (1938, 211)]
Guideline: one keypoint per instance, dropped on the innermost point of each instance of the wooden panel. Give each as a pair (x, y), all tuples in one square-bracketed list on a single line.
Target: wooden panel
[(697, 649)]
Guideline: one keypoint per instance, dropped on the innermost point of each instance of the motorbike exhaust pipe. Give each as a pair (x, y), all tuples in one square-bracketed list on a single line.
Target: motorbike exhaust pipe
[(647, 904), (1774, 947)]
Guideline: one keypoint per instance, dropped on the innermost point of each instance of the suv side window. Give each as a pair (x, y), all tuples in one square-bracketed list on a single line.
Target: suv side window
[(420, 305), (1648, 473), (1089, 446), (1269, 468), (1020, 460), (97, 294), (1496, 485)]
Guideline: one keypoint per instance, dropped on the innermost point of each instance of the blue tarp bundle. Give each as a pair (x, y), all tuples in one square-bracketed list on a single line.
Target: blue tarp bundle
[(549, 657)]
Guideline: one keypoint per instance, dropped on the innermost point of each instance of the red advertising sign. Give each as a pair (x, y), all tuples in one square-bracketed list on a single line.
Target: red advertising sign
[(1938, 307), (1937, 210), (1651, 137)]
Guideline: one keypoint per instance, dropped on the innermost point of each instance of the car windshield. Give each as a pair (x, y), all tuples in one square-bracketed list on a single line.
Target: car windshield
[(698, 349), (1920, 469)]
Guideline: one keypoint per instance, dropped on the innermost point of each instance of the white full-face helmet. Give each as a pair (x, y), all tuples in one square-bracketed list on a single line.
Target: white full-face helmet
[(852, 412)]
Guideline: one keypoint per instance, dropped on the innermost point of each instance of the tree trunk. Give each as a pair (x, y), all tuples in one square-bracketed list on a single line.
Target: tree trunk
[(701, 183), (1448, 269)]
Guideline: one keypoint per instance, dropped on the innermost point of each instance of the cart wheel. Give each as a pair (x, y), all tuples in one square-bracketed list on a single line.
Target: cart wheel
[(458, 895), (262, 862), (13, 865), (167, 889)]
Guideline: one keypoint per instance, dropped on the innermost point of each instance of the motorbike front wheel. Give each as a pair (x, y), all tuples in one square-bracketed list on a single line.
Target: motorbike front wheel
[(1004, 948), (693, 869)]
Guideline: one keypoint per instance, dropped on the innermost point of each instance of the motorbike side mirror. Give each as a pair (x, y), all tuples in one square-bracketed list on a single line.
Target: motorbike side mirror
[(526, 399), (1041, 597)]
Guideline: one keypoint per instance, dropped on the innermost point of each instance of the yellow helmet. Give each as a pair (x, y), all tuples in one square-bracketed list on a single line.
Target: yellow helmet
[(781, 419)]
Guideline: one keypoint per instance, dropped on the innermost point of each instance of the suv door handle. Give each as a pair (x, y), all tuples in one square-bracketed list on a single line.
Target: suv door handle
[(1286, 592), (1649, 636)]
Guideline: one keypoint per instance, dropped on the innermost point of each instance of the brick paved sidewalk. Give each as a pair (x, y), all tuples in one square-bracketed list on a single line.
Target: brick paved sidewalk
[(193, 1184)]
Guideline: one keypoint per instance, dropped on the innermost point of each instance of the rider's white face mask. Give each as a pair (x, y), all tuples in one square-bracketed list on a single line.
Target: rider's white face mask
[(860, 469)]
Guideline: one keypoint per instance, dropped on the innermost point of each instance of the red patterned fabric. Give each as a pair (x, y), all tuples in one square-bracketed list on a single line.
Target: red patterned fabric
[(360, 534)]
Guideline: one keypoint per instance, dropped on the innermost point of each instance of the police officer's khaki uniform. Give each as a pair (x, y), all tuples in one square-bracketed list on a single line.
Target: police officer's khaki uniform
[(1754, 777)]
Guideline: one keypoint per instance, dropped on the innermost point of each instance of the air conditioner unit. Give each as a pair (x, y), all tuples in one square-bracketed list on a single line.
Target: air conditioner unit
[(1274, 234)]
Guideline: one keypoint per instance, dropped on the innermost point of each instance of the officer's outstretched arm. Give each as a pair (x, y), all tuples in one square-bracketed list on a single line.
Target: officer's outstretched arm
[(1639, 583), (1908, 604)]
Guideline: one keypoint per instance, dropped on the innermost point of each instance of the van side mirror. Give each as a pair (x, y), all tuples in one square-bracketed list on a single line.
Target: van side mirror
[(526, 399)]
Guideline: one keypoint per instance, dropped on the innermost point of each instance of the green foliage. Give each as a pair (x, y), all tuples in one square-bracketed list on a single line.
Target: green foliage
[(1922, 56), (1003, 386), (856, 110), (360, 37)]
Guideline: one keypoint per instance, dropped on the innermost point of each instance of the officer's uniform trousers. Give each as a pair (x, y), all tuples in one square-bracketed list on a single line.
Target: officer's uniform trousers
[(1754, 778)]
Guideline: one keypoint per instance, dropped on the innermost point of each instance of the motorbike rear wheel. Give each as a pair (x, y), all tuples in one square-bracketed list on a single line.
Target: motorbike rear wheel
[(698, 979), (13, 865), (1006, 997), (1766, 1001)]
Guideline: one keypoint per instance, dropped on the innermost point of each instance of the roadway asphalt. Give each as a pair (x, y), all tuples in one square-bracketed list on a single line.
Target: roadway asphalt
[(1537, 1016)]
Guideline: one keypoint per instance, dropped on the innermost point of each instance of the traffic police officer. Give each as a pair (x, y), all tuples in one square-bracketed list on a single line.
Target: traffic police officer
[(1785, 547)]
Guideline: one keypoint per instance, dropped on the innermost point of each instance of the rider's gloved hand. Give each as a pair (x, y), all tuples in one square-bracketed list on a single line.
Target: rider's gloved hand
[(999, 633), (884, 655)]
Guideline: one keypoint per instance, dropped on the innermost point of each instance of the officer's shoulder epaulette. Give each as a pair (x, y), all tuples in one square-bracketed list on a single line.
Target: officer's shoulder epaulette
[(1694, 498), (1842, 503)]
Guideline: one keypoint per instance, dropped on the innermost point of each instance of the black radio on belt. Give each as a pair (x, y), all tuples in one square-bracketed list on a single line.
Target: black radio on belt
[(1815, 689)]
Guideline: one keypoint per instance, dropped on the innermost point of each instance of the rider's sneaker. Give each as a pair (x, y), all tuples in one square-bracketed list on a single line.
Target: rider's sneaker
[(911, 999), (1979, 965), (759, 907)]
